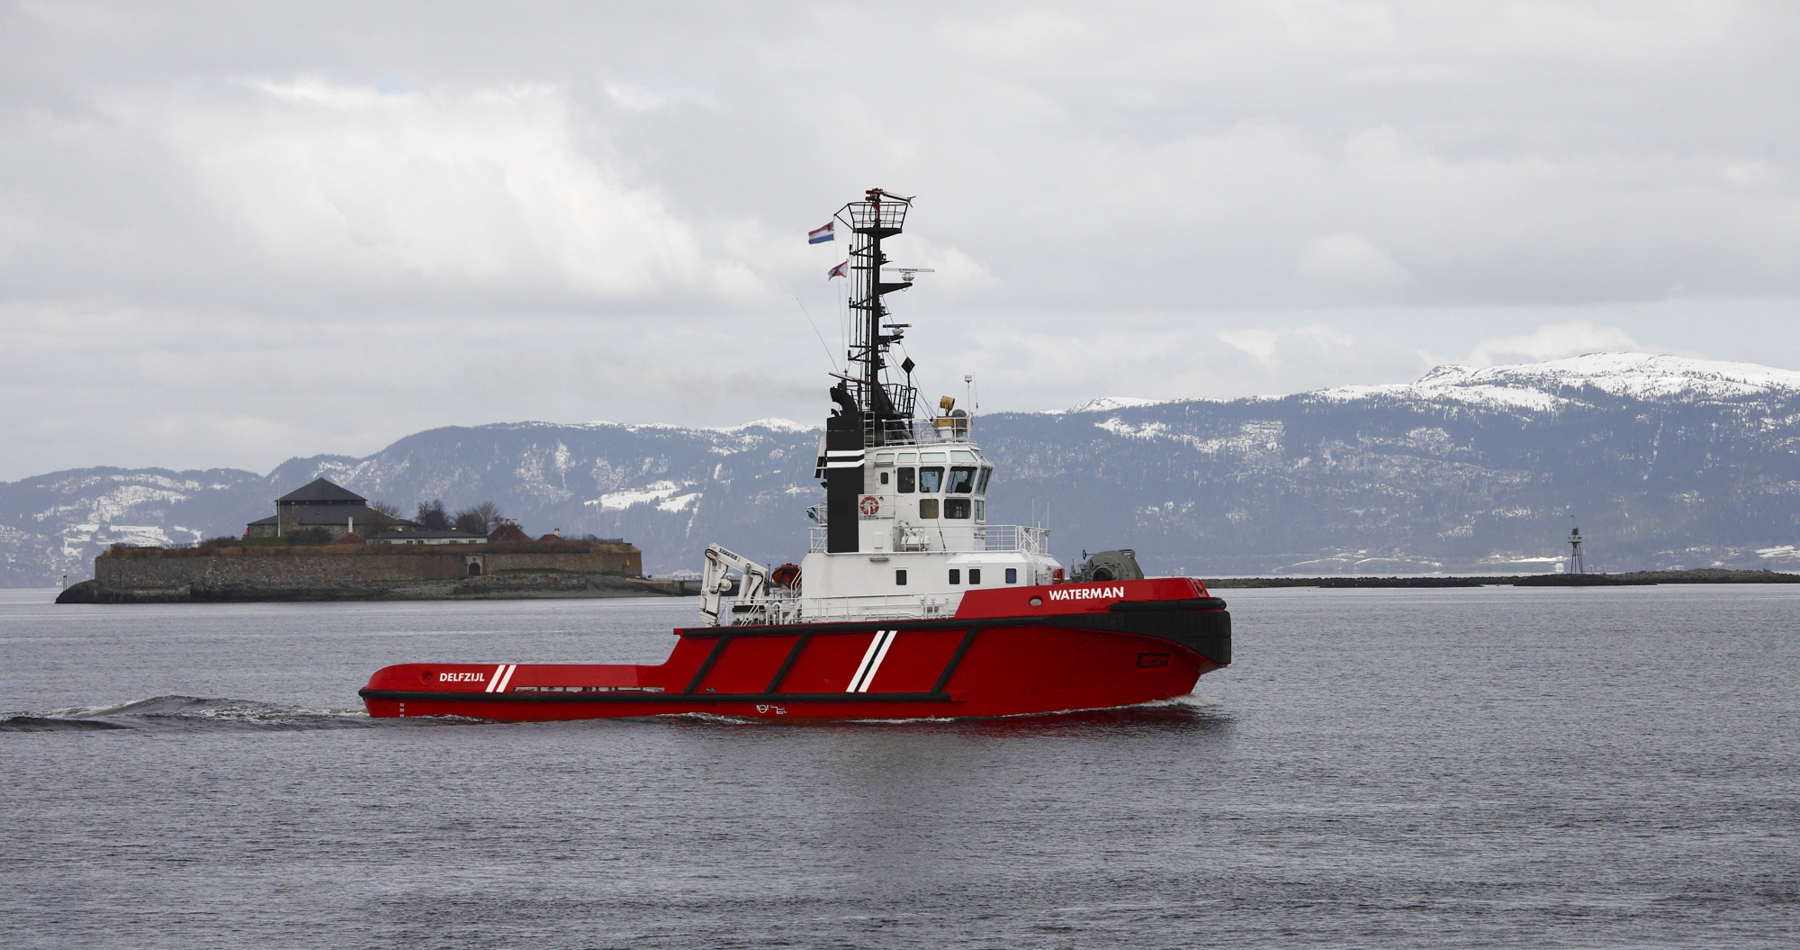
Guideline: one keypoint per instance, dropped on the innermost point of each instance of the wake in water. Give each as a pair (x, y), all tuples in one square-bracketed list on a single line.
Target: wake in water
[(185, 713), (1180, 710), (192, 713)]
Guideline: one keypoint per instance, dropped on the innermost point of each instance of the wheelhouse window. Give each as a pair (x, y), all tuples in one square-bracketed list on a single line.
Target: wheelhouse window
[(955, 576), (906, 481), (928, 509), (956, 508), (900, 577), (931, 479), (980, 510), (962, 480), (981, 483)]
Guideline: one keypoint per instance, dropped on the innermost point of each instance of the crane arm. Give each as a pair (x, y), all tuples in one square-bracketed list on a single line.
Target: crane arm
[(720, 562)]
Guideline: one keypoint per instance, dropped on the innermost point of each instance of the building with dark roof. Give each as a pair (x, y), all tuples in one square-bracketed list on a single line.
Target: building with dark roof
[(322, 504)]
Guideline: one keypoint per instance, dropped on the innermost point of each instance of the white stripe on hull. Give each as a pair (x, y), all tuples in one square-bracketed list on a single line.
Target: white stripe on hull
[(871, 661), (880, 655)]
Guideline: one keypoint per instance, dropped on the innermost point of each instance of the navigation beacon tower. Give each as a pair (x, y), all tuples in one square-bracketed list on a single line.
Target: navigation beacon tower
[(1575, 563)]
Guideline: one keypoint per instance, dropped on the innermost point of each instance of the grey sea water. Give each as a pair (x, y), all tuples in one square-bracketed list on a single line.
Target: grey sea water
[(1496, 767)]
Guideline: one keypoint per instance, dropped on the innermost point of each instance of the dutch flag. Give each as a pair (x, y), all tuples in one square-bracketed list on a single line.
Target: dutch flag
[(842, 270), (826, 233)]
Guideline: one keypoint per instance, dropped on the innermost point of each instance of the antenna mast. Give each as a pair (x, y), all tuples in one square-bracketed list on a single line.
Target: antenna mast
[(886, 408)]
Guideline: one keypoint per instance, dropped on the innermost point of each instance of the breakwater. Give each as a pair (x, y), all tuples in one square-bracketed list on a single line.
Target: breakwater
[(1629, 579)]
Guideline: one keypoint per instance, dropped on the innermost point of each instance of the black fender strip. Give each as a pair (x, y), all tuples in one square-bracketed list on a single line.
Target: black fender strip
[(1186, 603)]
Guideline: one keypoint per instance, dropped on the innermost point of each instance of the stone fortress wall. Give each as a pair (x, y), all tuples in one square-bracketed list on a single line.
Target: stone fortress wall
[(250, 573)]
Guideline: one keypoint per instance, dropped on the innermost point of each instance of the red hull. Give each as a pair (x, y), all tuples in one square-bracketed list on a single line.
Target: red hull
[(1007, 652)]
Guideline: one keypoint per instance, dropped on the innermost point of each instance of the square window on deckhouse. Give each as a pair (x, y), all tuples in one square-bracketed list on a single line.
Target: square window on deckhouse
[(900, 577), (928, 509), (1012, 575), (955, 576), (974, 576), (956, 507)]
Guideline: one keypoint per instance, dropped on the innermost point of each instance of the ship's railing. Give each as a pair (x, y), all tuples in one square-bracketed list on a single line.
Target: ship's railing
[(993, 537), (879, 607), (1018, 537), (777, 605), (888, 214), (784, 608), (927, 431)]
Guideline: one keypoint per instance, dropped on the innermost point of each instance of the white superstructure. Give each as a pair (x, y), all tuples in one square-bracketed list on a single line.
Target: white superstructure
[(903, 533)]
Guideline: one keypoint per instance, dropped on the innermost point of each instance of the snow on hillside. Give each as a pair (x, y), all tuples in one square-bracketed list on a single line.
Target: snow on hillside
[(1107, 404), (1545, 386), (771, 423)]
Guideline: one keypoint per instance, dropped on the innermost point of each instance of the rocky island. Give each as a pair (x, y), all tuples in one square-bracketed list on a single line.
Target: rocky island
[(311, 550)]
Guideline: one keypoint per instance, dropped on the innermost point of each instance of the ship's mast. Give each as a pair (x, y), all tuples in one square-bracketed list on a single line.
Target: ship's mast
[(886, 410)]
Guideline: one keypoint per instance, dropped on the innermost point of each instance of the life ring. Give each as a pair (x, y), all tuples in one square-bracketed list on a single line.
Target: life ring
[(870, 505)]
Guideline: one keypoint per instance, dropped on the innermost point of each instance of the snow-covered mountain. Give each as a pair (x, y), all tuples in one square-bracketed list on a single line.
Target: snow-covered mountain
[(1662, 461), (1554, 383)]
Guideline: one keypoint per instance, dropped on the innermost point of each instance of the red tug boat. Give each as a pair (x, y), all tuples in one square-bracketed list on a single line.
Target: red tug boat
[(908, 604)]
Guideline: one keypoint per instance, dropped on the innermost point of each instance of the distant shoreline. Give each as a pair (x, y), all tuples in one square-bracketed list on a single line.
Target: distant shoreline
[(1626, 579)]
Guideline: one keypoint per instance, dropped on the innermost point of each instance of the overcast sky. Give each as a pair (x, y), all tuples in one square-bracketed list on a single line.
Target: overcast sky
[(235, 232)]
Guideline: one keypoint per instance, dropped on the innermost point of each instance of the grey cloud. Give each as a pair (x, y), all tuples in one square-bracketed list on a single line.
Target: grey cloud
[(212, 187)]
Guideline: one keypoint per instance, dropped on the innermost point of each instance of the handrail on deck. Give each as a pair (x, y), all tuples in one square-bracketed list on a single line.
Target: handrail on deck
[(993, 537)]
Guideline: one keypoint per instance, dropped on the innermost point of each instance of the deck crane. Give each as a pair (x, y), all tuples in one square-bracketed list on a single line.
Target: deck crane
[(720, 562)]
